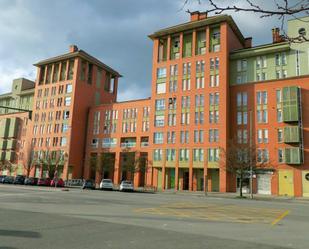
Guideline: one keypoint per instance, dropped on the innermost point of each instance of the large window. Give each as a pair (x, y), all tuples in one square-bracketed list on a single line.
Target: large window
[(160, 104), (158, 138)]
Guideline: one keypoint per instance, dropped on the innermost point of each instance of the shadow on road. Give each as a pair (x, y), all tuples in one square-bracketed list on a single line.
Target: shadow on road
[(16, 233)]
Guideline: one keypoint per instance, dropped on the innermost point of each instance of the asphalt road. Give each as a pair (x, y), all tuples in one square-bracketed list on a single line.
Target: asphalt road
[(47, 218)]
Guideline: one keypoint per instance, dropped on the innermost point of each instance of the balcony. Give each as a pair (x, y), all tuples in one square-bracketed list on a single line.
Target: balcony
[(144, 144), (128, 144), (293, 155)]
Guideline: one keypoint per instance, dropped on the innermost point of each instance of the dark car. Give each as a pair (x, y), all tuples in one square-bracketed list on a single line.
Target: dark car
[(88, 184), (43, 182), (31, 181), (19, 179), (60, 183), (1, 178), (8, 179)]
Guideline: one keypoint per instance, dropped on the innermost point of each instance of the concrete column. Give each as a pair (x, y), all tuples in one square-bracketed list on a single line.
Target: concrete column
[(193, 42), (181, 45), (168, 50), (117, 168)]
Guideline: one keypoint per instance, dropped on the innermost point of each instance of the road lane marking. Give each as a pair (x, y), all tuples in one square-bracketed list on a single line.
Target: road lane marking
[(284, 214)]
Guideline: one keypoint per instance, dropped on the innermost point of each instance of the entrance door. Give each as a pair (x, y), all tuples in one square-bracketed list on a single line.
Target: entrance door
[(186, 180), (264, 184), (159, 180), (214, 174), (286, 183), (305, 177)]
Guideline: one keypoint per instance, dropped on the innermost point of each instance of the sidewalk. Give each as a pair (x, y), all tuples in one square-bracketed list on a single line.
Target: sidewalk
[(236, 195)]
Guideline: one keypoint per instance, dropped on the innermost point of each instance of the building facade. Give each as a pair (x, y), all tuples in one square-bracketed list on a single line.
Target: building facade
[(209, 86)]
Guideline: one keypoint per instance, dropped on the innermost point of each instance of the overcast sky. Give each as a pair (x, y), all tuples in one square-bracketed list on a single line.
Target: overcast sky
[(114, 31)]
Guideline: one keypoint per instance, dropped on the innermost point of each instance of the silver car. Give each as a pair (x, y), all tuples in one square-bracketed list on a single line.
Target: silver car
[(106, 184), (126, 186)]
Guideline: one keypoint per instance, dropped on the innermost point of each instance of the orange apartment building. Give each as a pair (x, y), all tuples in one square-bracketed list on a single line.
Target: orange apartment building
[(207, 79)]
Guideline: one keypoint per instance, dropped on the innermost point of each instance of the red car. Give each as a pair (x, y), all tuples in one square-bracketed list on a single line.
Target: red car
[(44, 182), (60, 183)]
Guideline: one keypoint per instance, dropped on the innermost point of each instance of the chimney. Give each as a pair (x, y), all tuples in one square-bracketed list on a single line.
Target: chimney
[(248, 42), (276, 35), (196, 16), (73, 48)]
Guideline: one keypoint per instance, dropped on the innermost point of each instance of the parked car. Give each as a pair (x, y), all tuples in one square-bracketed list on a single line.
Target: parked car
[(31, 181), (126, 186), (43, 182), (60, 183), (88, 184), (1, 178), (19, 179), (8, 179), (106, 184)]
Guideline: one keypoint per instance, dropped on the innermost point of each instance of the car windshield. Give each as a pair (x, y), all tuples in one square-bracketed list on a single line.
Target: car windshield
[(127, 182), (107, 181)]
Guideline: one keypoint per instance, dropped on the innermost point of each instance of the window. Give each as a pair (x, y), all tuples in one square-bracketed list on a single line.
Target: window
[(261, 97), (159, 120), (66, 114), (170, 155), (213, 154), (241, 65), (280, 135), (262, 155), (161, 88), (173, 86), (157, 155), (183, 155), (171, 137), (68, 88), (174, 70), (213, 135), (186, 68), (161, 72), (171, 119), (160, 104), (65, 128), (63, 141), (186, 84), (67, 101), (158, 138), (280, 156), (217, 63)]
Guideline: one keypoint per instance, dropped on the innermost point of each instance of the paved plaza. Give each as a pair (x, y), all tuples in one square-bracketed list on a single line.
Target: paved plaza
[(81, 219)]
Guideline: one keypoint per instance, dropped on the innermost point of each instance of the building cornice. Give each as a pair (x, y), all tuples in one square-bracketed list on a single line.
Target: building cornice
[(198, 24), (259, 50), (81, 54)]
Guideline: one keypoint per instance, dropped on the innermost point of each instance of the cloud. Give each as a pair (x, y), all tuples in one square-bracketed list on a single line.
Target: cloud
[(113, 31)]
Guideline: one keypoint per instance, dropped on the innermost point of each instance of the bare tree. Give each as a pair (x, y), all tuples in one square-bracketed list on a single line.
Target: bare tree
[(103, 163), (135, 164), (51, 161), (7, 165), (241, 160), (281, 9), (30, 161)]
